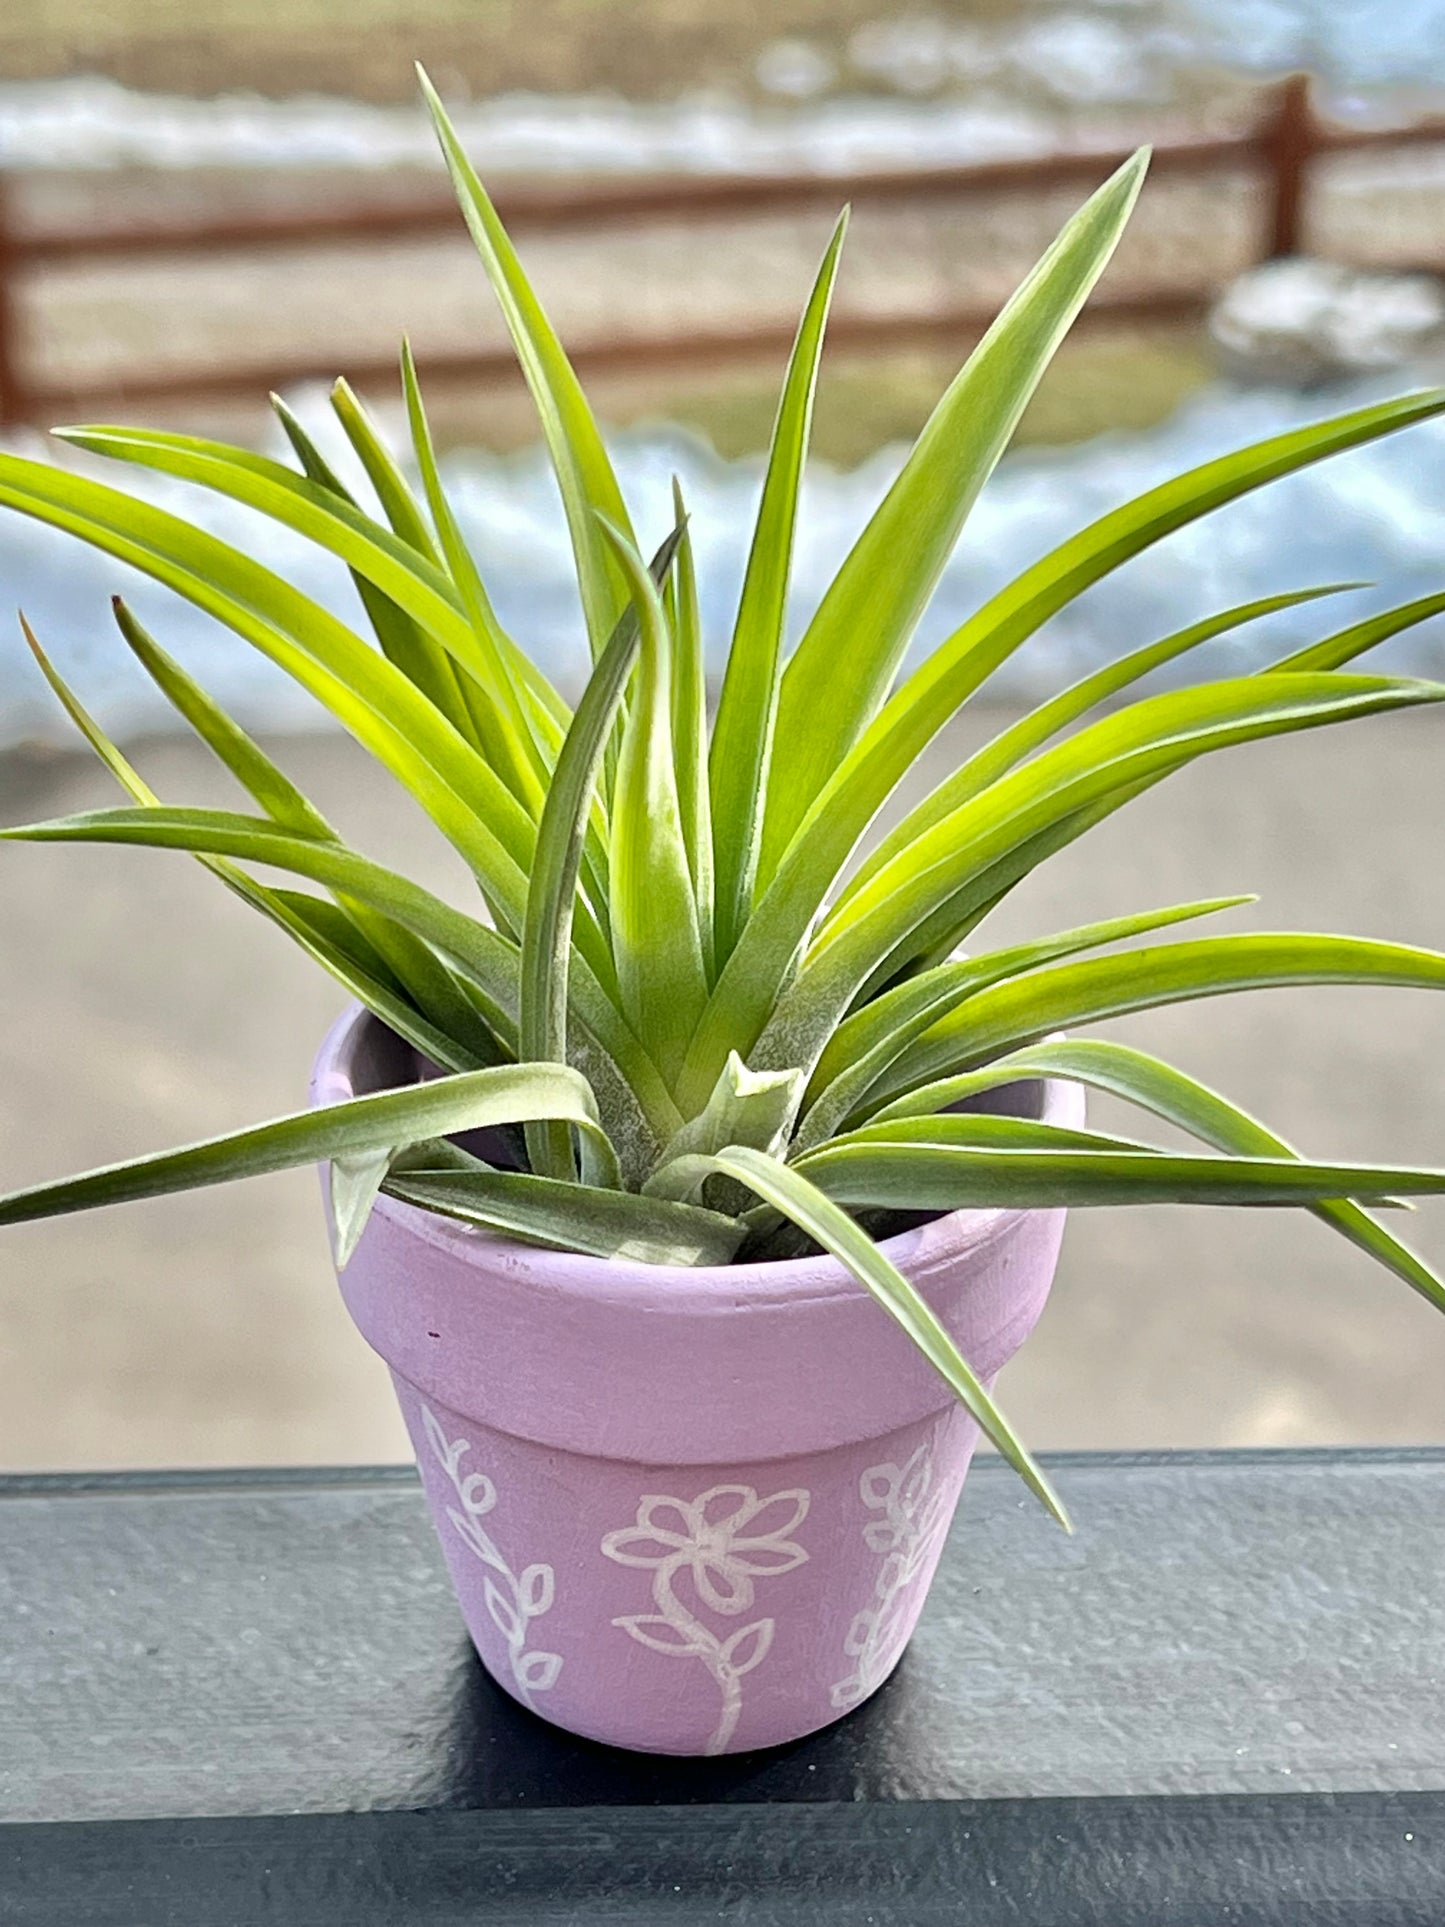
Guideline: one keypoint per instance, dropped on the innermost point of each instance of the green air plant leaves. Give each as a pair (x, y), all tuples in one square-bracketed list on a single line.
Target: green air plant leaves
[(742, 740), (470, 1101), (1024, 1010), (337, 936), (368, 694), (426, 979), (547, 935), (689, 725), (422, 660), (564, 1215), (913, 1175), (1150, 738), (870, 611), (1181, 1100), (584, 473), (1030, 732), (656, 937), (866, 1043), (707, 1021), (921, 706), (756, 1108), (408, 582)]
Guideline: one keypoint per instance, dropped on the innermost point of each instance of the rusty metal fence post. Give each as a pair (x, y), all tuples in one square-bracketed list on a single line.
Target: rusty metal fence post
[(1289, 140), (13, 409)]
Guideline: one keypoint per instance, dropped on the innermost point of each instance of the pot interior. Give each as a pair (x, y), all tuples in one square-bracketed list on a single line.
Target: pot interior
[(382, 1061)]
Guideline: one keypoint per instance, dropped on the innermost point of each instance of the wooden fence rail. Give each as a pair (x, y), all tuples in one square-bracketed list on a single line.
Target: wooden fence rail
[(1280, 150)]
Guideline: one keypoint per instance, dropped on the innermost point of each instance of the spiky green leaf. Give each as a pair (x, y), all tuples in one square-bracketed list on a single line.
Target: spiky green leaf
[(846, 661), (742, 743), (656, 940), (471, 1101), (584, 473)]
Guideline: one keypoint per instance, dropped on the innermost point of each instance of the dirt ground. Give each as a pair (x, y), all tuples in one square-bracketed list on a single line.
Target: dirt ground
[(640, 49)]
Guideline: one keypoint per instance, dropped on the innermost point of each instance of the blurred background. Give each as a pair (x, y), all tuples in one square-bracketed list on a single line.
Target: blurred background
[(194, 212)]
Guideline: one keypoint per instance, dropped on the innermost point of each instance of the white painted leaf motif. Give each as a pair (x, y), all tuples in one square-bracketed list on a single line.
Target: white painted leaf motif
[(538, 1671), (437, 1438), (748, 1647), (480, 1541), (536, 1588), (859, 1633), (892, 1575), (910, 1515), (504, 1615), (513, 1601), (652, 1629), (478, 1493), (878, 1485), (917, 1478), (882, 1535), (918, 1556)]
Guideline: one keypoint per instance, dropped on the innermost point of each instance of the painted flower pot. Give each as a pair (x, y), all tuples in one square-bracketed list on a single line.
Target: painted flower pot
[(685, 1511)]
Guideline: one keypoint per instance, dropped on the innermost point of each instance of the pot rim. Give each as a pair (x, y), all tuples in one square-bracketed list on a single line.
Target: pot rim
[(920, 1252), (667, 1365)]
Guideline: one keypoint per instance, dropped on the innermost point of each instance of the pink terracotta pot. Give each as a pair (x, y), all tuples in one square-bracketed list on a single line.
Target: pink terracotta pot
[(685, 1511)]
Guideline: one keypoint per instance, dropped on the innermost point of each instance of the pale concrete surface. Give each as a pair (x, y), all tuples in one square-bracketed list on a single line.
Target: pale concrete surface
[(142, 1006)]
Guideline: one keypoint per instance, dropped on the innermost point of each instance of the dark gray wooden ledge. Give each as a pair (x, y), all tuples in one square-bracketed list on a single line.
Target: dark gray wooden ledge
[(247, 1698)]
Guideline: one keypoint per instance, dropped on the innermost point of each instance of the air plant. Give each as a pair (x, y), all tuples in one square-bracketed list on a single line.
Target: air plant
[(702, 1031)]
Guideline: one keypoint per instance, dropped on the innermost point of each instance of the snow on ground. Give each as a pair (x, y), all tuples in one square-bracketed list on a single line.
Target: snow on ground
[(1373, 514), (90, 122)]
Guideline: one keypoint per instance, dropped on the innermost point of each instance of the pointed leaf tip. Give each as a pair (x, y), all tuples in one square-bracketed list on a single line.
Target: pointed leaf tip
[(355, 1183)]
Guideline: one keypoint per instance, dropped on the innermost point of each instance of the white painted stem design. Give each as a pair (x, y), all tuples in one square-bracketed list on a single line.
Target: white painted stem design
[(719, 1540), (512, 1600)]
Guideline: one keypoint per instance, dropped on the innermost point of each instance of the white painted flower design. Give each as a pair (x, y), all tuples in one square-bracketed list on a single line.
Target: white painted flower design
[(724, 1540)]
